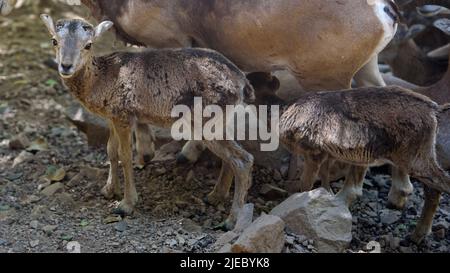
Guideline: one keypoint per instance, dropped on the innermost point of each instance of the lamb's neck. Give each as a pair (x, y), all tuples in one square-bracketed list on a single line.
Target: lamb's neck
[(81, 84)]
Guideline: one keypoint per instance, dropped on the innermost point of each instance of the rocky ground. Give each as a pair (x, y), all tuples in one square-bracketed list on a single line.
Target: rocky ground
[(50, 179)]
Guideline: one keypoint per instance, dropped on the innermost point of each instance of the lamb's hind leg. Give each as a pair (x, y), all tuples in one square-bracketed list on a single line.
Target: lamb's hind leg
[(222, 188), (112, 187), (124, 134), (423, 228), (145, 145), (435, 180), (311, 167), (353, 185), (241, 163)]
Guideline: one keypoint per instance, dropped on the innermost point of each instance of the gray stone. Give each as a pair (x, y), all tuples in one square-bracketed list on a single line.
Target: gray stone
[(34, 243), (19, 142), (388, 217), (225, 239), (121, 226), (264, 235), (320, 216), (394, 242), (245, 218), (225, 249), (271, 192), (52, 189), (190, 226), (95, 128), (24, 156), (34, 224), (49, 229)]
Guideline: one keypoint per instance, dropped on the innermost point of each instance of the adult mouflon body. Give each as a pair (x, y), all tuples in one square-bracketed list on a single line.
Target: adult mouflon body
[(129, 89)]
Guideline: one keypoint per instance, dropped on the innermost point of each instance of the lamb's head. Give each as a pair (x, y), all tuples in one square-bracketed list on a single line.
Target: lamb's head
[(72, 40), (402, 39), (6, 6), (265, 86)]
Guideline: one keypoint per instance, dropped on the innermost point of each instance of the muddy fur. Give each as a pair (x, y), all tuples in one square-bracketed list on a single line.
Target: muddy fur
[(369, 127), (350, 126)]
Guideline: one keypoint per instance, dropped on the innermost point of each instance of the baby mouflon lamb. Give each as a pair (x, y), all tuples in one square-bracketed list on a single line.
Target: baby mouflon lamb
[(138, 88), (367, 127)]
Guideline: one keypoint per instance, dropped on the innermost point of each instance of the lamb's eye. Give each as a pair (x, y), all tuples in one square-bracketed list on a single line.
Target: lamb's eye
[(88, 46), (54, 42)]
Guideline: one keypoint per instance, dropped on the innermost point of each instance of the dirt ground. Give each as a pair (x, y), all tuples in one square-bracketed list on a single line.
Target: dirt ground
[(171, 215)]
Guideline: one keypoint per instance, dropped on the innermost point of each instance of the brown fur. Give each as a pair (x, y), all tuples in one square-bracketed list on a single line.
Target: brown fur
[(368, 127), (129, 89), (411, 64), (258, 35)]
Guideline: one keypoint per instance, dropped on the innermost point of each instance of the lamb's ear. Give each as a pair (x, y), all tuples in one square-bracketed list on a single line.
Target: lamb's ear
[(48, 21), (275, 84), (443, 24), (102, 28)]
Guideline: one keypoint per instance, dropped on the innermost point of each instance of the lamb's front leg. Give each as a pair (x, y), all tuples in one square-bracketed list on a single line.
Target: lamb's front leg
[(241, 163), (130, 199), (353, 185), (112, 187), (222, 188)]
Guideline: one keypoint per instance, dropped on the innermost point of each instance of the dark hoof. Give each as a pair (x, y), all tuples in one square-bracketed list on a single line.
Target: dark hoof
[(206, 200), (181, 159), (147, 159), (392, 206), (120, 212), (224, 226)]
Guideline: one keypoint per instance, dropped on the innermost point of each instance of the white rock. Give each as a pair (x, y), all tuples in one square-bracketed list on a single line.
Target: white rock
[(264, 235), (245, 218), (320, 216), (24, 156), (225, 239), (34, 243)]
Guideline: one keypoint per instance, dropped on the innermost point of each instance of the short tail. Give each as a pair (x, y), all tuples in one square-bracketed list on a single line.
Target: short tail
[(443, 112), (435, 177)]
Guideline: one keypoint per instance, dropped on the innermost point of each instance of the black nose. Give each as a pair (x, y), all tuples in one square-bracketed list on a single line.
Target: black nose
[(66, 67)]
